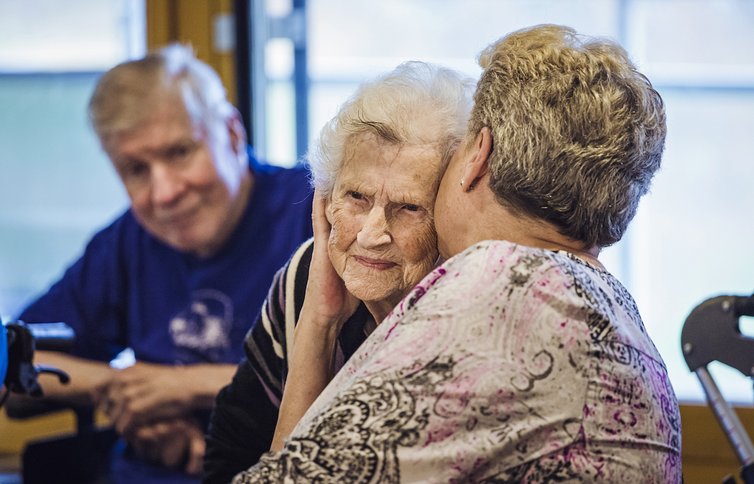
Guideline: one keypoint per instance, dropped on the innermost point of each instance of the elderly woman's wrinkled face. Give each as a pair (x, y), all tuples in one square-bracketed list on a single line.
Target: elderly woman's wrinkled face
[(383, 241)]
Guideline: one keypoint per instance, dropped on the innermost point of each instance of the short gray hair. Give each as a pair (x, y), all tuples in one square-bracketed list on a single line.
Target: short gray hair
[(416, 103), (578, 132), (129, 92)]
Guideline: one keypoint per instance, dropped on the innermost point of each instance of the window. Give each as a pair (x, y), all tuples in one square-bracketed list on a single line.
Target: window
[(57, 185), (690, 240)]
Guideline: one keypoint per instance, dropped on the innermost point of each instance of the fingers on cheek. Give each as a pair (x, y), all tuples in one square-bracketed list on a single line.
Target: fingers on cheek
[(320, 206)]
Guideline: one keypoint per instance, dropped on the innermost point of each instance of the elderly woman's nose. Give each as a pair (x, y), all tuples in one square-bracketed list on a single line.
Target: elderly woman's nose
[(374, 232)]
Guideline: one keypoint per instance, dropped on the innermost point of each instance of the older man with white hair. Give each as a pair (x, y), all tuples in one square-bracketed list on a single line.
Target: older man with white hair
[(180, 276)]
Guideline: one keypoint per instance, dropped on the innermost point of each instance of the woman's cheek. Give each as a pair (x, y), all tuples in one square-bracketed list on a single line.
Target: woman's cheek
[(345, 224), (423, 253), (341, 239), (336, 220), (427, 242)]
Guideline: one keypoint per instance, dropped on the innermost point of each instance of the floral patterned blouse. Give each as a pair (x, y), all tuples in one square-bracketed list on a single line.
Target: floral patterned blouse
[(505, 364)]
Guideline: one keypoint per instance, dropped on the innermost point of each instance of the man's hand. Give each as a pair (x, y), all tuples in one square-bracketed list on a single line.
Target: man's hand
[(173, 443), (146, 392), (142, 393)]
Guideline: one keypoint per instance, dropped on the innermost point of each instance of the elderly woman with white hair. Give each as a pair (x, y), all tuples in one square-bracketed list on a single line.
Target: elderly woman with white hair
[(520, 358), (376, 169)]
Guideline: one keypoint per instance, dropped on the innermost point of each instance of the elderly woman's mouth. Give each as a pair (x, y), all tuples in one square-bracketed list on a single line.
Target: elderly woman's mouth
[(379, 264)]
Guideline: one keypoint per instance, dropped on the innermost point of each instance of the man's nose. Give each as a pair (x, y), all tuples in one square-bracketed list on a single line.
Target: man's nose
[(374, 232), (167, 185)]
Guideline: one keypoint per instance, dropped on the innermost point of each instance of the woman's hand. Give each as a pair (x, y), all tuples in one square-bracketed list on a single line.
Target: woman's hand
[(327, 302), (327, 306)]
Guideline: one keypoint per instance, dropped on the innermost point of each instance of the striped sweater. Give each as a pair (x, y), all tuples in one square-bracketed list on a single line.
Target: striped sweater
[(245, 414)]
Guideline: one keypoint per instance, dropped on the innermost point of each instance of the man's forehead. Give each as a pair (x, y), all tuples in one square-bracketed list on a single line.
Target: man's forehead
[(156, 132)]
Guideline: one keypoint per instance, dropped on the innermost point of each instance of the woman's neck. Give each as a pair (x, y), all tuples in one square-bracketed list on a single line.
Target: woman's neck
[(533, 232), (380, 309)]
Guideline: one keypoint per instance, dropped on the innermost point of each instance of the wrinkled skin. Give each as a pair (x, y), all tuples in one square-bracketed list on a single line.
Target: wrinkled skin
[(382, 241), (374, 240), (188, 184)]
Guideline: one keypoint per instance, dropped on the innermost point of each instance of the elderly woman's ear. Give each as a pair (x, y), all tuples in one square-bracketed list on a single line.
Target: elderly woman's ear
[(476, 159)]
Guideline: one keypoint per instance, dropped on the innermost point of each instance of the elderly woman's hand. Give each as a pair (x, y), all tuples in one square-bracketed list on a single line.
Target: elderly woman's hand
[(327, 303), (327, 306)]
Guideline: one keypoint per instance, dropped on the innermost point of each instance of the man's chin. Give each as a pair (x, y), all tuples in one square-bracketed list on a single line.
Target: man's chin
[(186, 245)]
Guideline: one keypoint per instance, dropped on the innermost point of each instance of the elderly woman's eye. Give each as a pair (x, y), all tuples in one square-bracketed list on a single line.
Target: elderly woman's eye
[(356, 195), (411, 207)]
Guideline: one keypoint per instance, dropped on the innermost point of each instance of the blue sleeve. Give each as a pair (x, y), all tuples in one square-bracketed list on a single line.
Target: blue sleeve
[(89, 298)]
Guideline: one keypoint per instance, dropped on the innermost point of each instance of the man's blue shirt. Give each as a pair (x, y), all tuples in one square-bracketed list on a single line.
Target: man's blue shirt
[(129, 289)]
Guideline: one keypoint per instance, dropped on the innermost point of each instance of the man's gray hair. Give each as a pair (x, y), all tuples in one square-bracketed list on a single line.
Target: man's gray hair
[(129, 92), (417, 103), (578, 132)]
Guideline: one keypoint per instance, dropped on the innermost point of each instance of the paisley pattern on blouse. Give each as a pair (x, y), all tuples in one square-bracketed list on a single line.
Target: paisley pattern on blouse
[(505, 364)]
